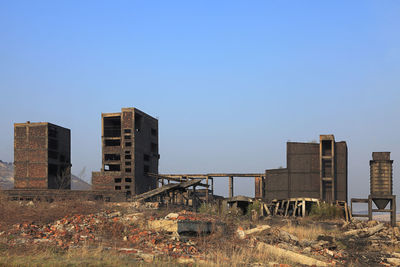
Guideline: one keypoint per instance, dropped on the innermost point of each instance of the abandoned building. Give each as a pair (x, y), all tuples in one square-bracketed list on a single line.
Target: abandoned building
[(42, 156), (313, 171), (129, 152)]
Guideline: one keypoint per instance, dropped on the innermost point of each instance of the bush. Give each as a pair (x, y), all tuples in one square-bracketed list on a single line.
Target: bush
[(254, 207), (325, 211)]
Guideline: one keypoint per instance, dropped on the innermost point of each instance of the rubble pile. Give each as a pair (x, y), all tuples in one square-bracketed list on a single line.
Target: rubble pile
[(147, 236)]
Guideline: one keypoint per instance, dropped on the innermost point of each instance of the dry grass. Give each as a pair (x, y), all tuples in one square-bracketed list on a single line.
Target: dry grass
[(306, 232), (46, 256)]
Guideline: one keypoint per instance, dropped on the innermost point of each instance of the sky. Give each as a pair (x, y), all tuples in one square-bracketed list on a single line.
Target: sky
[(230, 81)]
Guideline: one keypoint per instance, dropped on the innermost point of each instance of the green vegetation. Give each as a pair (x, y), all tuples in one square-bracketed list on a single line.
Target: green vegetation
[(326, 211)]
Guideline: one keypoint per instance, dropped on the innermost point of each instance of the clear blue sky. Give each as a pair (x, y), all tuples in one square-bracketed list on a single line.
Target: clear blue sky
[(230, 81)]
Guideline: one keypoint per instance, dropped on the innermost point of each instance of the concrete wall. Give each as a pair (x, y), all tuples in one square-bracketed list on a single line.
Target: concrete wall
[(303, 169), (302, 178), (277, 184), (341, 170)]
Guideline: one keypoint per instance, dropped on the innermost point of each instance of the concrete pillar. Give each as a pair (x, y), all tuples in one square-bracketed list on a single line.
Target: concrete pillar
[(393, 211), (207, 190), (230, 186)]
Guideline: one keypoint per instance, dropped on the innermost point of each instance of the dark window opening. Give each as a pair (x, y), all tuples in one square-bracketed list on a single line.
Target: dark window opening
[(117, 180), (112, 167), (112, 142), (154, 148), (326, 147), (127, 152), (128, 180), (53, 155), (62, 158), (146, 157), (146, 168), (112, 126), (127, 130), (117, 187), (53, 170), (112, 157), (138, 122), (52, 132), (128, 163), (326, 168), (153, 132), (128, 144), (128, 170), (128, 157), (53, 144), (127, 137), (127, 187)]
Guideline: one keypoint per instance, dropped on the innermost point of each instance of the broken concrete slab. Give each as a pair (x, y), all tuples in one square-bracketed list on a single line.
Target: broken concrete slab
[(290, 255), (365, 232)]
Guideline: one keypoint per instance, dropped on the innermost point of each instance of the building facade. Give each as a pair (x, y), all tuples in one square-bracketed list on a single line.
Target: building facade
[(314, 170), (42, 156), (129, 151)]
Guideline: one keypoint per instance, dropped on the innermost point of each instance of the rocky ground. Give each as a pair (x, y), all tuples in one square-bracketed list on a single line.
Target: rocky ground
[(150, 234)]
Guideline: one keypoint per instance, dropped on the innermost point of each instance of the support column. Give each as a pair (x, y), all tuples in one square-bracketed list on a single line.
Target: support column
[(230, 186), (393, 211), (212, 187), (207, 190), (369, 208)]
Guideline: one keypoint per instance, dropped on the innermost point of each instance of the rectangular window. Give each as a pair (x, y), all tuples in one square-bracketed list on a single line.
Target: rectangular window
[(128, 157), (128, 144), (112, 167), (112, 157), (146, 168), (117, 187), (146, 157), (127, 130), (153, 132), (154, 148), (112, 126), (128, 170), (112, 142), (127, 187), (128, 163), (117, 180), (128, 180), (127, 152), (53, 144), (138, 122), (53, 155), (127, 137)]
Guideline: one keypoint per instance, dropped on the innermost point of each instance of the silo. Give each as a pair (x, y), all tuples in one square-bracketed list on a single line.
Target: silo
[(381, 178)]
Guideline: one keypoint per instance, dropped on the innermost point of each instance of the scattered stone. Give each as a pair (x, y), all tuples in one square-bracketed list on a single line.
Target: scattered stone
[(393, 261)]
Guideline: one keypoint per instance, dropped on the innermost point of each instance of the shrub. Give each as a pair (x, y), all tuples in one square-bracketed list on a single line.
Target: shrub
[(325, 211)]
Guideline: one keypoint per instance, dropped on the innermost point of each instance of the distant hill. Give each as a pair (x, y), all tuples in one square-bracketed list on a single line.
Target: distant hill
[(7, 179)]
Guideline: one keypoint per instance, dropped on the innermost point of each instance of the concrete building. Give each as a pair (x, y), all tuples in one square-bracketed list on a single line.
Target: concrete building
[(42, 156), (314, 170), (129, 151)]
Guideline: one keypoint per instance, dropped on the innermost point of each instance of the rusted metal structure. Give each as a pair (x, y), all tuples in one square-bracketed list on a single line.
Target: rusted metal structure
[(129, 152), (314, 170), (381, 187), (42, 156)]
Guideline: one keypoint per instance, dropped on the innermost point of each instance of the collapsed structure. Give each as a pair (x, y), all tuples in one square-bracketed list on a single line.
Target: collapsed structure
[(313, 171), (129, 152), (42, 156)]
